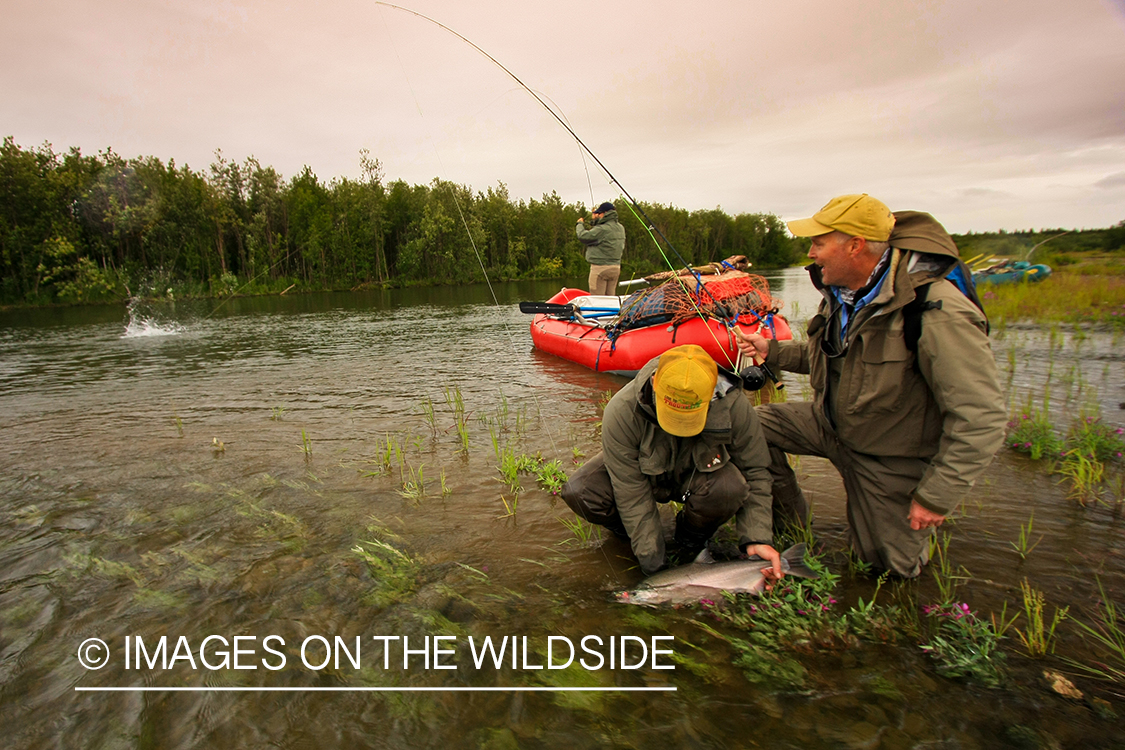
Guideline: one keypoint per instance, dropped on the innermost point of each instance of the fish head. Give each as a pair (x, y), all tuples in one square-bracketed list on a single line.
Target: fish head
[(643, 597)]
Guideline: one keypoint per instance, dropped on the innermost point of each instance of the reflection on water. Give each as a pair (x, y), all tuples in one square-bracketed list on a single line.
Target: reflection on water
[(121, 516)]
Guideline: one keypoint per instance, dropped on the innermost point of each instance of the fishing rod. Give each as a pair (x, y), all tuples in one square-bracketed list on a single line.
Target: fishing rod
[(650, 224)]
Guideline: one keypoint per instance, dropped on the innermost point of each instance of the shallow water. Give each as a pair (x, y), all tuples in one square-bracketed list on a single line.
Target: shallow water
[(212, 472)]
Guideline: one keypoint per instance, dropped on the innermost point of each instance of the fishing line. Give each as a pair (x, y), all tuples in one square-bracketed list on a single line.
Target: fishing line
[(648, 222), (234, 294), (691, 297), (581, 153), (638, 211), (480, 261), (465, 224)]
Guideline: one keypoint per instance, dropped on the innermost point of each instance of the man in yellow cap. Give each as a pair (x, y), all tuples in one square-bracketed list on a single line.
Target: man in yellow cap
[(907, 403), (683, 431)]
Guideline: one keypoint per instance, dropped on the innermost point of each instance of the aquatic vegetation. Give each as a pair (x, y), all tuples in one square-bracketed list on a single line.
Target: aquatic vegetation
[(796, 617), (178, 424), (1023, 545), (963, 644), (510, 469), (549, 474), (428, 414), (1093, 437), (792, 532), (394, 573), (277, 413), (1060, 298), (306, 444), (1085, 474), (945, 575), (83, 564), (1107, 635), (456, 403), (857, 568), (1038, 637), (414, 486), (582, 531), (1089, 445), (1031, 432), (445, 489)]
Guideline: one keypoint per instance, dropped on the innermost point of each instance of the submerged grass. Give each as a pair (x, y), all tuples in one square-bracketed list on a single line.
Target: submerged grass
[(394, 573), (583, 532), (1107, 636)]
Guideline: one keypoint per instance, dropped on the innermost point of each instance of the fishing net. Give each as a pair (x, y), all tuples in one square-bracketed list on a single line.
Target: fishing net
[(681, 298)]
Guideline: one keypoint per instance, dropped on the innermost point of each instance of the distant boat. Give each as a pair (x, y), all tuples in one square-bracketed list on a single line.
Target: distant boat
[(1012, 271)]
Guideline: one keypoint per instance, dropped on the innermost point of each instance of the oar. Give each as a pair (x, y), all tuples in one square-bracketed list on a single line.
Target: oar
[(550, 308)]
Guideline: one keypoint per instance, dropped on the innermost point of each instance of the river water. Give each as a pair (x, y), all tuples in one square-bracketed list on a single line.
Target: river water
[(325, 468)]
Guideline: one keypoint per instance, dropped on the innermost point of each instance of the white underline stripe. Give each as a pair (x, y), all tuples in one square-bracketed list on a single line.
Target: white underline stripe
[(372, 689)]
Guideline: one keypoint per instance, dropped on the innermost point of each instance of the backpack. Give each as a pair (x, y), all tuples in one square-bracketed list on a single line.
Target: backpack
[(962, 278)]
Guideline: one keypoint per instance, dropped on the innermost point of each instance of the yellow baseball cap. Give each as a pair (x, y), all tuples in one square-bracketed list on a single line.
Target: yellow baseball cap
[(856, 215), (682, 387)]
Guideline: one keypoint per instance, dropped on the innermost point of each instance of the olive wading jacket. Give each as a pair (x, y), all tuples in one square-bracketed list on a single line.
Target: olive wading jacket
[(604, 241), (942, 404), (640, 456)]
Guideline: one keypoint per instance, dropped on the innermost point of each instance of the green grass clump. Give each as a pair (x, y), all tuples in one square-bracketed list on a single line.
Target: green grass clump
[(1061, 298), (1031, 432), (1095, 439), (1038, 636), (963, 644), (1107, 636), (798, 615)]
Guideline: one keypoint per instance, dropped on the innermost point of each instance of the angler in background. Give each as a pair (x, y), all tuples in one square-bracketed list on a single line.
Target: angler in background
[(605, 242), (681, 430), (910, 418)]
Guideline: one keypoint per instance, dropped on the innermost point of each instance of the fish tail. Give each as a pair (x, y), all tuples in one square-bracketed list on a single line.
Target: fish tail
[(795, 556)]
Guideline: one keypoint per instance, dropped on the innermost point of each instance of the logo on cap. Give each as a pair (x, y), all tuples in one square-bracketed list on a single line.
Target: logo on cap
[(682, 388)]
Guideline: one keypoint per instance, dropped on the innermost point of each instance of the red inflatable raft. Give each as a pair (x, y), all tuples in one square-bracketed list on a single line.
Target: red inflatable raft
[(599, 347)]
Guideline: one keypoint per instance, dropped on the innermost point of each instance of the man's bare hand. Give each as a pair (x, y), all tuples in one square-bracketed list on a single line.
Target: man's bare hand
[(923, 518), (752, 344), (772, 574)]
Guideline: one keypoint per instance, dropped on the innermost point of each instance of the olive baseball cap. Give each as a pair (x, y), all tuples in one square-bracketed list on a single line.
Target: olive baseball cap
[(855, 215), (682, 388)]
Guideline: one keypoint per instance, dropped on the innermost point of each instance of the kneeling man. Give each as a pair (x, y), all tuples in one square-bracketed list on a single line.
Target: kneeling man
[(681, 430)]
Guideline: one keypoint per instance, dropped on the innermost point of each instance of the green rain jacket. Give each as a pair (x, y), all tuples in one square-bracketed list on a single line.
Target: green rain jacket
[(604, 241), (942, 404), (639, 455)]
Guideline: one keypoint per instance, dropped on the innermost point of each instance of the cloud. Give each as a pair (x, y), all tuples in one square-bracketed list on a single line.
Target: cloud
[(751, 106), (1113, 181)]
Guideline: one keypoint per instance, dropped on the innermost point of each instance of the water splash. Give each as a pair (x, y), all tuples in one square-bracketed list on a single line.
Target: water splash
[(144, 327), (150, 318)]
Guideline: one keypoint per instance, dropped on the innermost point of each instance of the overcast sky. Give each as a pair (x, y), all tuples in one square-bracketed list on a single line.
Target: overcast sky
[(990, 115)]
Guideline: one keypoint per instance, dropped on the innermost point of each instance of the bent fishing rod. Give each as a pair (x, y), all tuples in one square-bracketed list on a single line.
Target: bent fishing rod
[(650, 225)]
